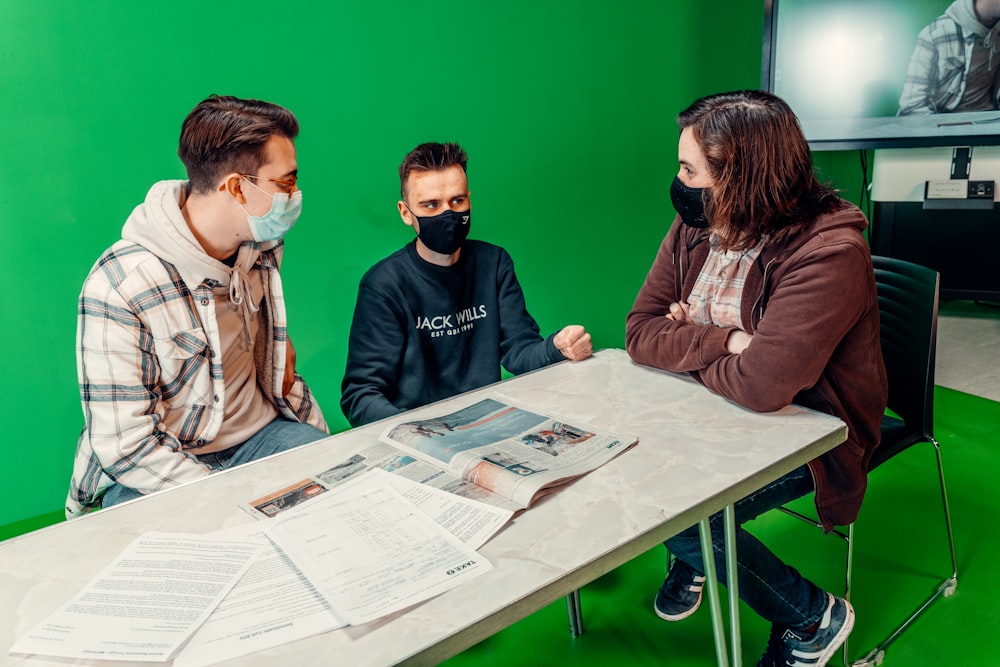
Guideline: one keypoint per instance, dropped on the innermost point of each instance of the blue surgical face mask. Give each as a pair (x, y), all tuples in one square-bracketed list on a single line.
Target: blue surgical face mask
[(279, 219)]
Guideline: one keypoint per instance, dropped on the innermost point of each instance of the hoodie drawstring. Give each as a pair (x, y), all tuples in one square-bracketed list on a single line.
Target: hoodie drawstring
[(989, 43), (238, 282)]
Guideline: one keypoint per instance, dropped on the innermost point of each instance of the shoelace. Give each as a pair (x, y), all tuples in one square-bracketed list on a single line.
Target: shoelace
[(772, 653), (681, 586)]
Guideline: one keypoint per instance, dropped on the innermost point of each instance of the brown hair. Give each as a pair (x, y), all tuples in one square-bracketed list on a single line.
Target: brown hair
[(226, 134), (764, 183), (430, 157)]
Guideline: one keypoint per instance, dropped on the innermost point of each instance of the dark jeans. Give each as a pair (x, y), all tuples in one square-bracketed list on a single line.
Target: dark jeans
[(777, 592), (278, 436)]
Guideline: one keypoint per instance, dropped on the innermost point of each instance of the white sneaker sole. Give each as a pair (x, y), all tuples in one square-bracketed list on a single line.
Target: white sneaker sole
[(839, 638), (684, 614), (677, 617)]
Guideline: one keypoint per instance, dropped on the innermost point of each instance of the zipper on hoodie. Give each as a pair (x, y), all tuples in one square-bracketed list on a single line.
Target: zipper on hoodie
[(680, 262), (758, 304)]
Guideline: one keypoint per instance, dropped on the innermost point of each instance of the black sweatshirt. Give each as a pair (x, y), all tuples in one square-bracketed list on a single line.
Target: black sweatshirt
[(423, 332)]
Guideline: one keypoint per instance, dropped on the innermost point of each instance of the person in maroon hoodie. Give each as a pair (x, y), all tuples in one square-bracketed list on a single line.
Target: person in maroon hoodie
[(763, 291)]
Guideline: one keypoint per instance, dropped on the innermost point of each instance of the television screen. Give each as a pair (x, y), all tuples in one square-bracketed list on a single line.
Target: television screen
[(886, 73)]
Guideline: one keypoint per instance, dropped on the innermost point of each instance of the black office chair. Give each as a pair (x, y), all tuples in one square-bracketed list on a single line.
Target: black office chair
[(908, 305)]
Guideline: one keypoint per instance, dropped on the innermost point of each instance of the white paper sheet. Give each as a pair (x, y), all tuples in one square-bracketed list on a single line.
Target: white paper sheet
[(272, 604), (471, 521), (146, 603), (374, 553)]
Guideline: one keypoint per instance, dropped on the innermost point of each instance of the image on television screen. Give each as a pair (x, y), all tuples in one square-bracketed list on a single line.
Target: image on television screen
[(887, 73)]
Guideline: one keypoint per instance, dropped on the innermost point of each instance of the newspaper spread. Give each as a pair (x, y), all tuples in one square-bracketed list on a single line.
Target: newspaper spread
[(490, 451), (361, 459), (505, 449)]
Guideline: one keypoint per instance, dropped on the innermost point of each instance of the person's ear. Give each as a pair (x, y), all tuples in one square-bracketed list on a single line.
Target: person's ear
[(405, 213), (233, 184)]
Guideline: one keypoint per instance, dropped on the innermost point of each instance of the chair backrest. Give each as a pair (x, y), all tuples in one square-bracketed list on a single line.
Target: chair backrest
[(908, 308)]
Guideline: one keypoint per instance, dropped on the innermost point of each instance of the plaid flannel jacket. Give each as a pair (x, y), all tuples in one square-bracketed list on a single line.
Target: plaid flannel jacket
[(149, 365)]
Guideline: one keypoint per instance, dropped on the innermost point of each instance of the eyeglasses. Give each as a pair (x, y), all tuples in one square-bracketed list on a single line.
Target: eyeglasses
[(285, 185)]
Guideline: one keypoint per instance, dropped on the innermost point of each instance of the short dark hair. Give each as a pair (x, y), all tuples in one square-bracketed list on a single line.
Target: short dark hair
[(431, 156), (759, 160), (226, 134)]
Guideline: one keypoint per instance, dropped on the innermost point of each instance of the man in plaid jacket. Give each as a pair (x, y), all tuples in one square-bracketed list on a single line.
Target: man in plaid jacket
[(183, 356)]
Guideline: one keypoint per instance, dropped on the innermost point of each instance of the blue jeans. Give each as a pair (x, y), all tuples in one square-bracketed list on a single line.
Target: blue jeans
[(278, 436), (775, 591)]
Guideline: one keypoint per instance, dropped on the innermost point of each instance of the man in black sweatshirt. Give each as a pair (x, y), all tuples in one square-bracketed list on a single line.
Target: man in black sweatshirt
[(441, 315)]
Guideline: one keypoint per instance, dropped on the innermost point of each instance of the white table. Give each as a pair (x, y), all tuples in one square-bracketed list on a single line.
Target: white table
[(697, 454)]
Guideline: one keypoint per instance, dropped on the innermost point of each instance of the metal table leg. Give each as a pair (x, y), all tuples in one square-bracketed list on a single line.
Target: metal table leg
[(712, 589), (575, 614), (732, 583)]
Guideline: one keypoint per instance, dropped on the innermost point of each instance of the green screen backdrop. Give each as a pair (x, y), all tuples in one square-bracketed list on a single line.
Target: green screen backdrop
[(566, 108)]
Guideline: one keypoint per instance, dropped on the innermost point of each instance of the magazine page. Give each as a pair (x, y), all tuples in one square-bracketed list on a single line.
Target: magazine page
[(365, 457), (507, 449)]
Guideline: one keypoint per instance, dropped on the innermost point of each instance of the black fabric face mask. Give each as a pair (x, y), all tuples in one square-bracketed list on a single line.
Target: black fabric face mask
[(445, 232), (689, 204)]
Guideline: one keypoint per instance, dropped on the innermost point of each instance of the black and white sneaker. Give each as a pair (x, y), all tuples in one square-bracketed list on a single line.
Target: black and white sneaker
[(791, 648), (680, 594)]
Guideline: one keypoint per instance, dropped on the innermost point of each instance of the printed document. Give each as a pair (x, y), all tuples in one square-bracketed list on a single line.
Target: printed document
[(374, 553), (145, 604), (471, 521), (274, 603)]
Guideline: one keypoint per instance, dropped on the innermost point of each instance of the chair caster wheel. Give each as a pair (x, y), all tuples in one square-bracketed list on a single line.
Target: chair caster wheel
[(874, 658)]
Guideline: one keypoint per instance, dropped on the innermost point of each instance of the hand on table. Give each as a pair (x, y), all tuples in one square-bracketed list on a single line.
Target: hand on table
[(573, 342)]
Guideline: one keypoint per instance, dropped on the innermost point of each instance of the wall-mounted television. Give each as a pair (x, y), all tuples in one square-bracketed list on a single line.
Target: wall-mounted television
[(844, 66)]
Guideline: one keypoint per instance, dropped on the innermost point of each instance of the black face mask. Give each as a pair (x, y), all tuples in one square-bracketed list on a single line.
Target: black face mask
[(445, 232), (689, 204)]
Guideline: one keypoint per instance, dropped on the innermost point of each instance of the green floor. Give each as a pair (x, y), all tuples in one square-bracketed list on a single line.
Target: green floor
[(898, 560)]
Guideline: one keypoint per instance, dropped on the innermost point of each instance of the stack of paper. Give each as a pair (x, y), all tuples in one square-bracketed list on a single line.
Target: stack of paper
[(373, 547)]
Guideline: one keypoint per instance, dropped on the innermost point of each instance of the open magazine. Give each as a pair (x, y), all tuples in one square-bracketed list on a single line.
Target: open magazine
[(490, 451)]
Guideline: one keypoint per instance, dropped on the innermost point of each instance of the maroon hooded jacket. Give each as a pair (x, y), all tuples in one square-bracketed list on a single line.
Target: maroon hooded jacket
[(811, 305)]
